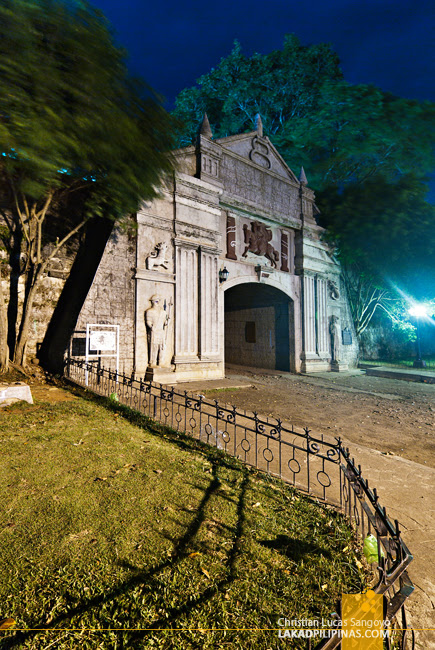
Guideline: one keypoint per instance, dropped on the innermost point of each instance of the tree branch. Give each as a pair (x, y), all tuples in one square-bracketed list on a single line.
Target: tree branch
[(62, 242), (25, 229)]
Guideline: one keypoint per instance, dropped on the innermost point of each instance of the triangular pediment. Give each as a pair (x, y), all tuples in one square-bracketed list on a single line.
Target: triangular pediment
[(259, 150)]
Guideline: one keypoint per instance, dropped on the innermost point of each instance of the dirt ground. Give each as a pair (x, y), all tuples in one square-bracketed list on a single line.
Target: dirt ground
[(391, 416), (43, 388)]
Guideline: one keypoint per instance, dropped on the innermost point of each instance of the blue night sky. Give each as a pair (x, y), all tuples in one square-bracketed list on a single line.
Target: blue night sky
[(388, 43)]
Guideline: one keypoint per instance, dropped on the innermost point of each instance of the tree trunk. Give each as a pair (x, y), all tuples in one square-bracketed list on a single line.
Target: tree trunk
[(23, 335), (4, 350), (64, 319), (14, 278)]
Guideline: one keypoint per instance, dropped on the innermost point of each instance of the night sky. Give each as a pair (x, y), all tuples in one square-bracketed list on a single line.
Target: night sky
[(388, 43)]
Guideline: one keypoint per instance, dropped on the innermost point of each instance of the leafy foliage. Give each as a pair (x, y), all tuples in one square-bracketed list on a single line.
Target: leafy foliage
[(70, 114), (386, 244), (341, 133), (357, 132), (402, 218), (280, 86), (72, 123)]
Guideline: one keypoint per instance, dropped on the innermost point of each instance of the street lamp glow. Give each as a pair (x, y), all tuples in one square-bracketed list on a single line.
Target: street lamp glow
[(419, 311)]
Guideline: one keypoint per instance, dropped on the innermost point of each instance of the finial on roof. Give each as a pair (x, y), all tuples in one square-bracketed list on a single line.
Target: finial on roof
[(259, 125), (302, 177), (205, 128)]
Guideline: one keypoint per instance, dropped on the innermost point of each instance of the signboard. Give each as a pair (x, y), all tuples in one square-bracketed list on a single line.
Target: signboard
[(103, 340)]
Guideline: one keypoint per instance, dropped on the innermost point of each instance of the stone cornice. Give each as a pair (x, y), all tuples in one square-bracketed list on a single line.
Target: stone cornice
[(194, 202), (196, 184), (156, 221), (186, 243), (211, 250), (155, 276), (250, 210)]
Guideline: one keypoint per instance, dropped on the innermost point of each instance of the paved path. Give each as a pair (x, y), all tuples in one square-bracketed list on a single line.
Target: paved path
[(405, 488)]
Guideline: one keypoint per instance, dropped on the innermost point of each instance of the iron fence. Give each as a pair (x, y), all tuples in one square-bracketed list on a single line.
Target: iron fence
[(313, 464)]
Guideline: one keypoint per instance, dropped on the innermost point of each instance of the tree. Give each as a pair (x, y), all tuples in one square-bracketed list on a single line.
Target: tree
[(4, 357), (385, 241), (366, 153), (356, 132), (281, 86), (79, 139), (341, 133)]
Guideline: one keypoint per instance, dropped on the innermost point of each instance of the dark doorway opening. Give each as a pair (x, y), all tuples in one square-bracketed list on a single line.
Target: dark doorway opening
[(259, 328)]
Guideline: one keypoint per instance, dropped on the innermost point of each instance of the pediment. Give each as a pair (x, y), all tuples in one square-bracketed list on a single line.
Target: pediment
[(259, 150)]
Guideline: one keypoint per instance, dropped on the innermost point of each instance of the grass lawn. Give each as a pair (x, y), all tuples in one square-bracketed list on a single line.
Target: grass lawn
[(110, 522), (405, 363)]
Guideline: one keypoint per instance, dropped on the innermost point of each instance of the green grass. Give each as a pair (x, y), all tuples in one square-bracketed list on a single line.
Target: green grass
[(110, 522), (405, 363)]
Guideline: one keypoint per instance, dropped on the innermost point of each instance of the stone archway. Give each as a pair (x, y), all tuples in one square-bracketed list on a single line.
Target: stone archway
[(259, 327)]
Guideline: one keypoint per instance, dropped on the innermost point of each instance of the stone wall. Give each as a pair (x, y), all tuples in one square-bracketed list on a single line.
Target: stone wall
[(349, 353), (250, 337), (50, 288), (111, 298)]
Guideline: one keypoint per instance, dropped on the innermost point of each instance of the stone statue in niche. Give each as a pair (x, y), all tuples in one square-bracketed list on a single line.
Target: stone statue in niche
[(158, 256), (334, 291), (334, 330), (257, 241), (157, 320)]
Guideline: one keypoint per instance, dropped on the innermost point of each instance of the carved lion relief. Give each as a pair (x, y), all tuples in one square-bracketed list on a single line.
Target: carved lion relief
[(158, 257), (257, 241)]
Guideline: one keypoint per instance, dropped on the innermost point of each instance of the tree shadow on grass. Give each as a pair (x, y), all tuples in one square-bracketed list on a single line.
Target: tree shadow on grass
[(294, 549), (174, 613), (183, 440), (148, 577)]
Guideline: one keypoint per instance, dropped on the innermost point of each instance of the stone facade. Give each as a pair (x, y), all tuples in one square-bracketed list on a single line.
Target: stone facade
[(232, 204), (111, 298)]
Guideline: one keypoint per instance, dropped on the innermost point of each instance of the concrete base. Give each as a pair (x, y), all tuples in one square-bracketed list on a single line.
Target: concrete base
[(197, 370), (10, 393), (194, 370), (405, 375), (339, 367), (419, 363), (160, 375), (314, 365)]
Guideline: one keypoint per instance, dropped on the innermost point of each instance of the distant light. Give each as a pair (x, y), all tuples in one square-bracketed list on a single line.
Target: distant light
[(419, 311)]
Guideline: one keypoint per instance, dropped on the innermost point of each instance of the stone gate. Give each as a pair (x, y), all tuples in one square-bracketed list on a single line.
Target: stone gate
[(227, 264)]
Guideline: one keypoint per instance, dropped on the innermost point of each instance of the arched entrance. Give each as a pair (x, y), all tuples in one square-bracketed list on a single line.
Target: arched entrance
[(259, 327)]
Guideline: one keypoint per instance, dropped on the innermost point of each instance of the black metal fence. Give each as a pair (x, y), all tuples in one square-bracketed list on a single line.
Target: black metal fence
[(320, 467)]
